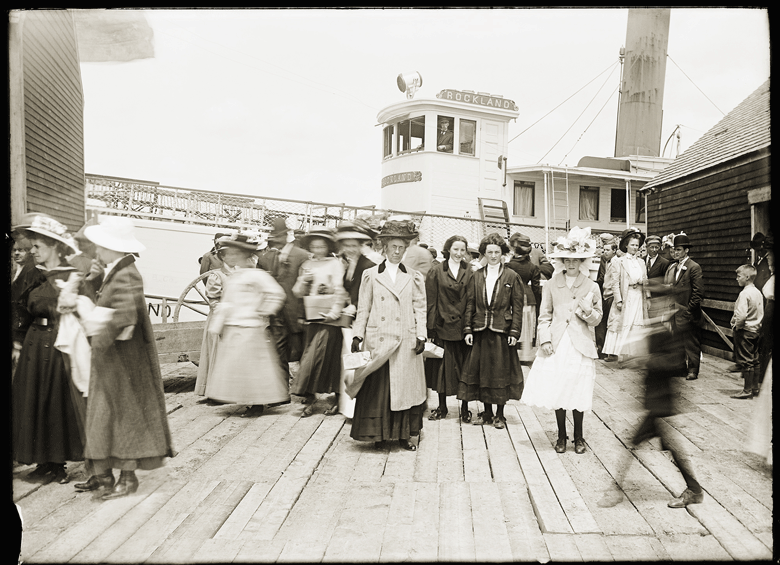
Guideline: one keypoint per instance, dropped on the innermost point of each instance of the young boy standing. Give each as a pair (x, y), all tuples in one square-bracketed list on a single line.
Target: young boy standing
[(746, 324)]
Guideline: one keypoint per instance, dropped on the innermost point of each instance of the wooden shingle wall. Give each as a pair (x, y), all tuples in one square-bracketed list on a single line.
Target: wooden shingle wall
[(53, 117), (713, 210)]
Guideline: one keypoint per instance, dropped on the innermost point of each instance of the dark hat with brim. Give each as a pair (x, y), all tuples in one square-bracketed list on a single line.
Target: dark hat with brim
[(280, 231), (757, 241), (627, 235), (681, 240), (398, 229)]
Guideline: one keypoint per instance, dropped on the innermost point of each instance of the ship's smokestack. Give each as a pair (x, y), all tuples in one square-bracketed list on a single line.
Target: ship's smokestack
[(640, 112)]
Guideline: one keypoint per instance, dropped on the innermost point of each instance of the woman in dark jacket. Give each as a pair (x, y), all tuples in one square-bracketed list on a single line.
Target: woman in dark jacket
[(446, 287), (494, 309), (127, 423), (46, 405), (530, 275)]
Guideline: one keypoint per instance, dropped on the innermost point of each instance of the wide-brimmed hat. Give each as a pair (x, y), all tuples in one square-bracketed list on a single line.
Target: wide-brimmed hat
[(47, 226), (576, 245), (653, 239), (757, 241), (280, 231), (351, 230), (321, 233), (246, 241), (400, 229), (115, 233), (681, 240), (628, 234)]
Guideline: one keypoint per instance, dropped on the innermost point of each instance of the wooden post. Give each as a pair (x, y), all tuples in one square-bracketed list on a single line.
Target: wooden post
[(16, 106)]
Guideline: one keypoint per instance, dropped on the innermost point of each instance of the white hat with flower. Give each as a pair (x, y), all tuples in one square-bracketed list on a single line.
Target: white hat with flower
[(576, 245), (49, 227)]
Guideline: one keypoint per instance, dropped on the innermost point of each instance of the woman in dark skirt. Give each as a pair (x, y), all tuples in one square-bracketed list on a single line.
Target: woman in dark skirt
[(446, 286), (390, 390), (494, 310), (530, 275), (322, 275), (48, 409)]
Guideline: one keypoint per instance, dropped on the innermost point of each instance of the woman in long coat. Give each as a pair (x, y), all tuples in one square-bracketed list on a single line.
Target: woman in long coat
[(564, 372), (390, 390), (246, 368), (446, 286), (629, 306), (320, 368), (47, 408), (530, 275), (494, 314), (127, 424)]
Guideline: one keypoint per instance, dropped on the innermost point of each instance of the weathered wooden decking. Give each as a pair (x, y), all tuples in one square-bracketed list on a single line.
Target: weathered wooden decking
[(283, 488)]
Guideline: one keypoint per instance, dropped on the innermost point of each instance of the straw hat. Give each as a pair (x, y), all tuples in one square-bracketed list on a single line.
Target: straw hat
[(575, 245), (322, 233), (115, 233), (49, 227)]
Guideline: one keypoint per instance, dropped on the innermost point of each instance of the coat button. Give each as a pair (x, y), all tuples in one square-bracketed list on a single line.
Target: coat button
[(383, 318), (381, 339), (398, 319), (383, 298)]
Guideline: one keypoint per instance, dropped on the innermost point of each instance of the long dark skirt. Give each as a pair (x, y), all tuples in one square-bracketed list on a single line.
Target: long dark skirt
[(446, 380), (433, 369), (492, 372), (374, 421), (320, 370), (45, 421)]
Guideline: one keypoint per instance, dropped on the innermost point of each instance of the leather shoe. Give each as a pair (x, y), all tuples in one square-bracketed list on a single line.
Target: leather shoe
[(95, 482), (686, 498), (406, 445), (127, 484), (579, 445), (743, 395), (735, 369), (560, 445), (691, 377)]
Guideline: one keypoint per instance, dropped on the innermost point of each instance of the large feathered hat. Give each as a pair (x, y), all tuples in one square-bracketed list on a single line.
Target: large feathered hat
[(576, 245)]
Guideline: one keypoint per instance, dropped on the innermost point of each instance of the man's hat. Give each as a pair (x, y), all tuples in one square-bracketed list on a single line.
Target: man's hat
[(280, 231), (681, 240), (653, 239), (757, 241), (116, 233), (628, 234)]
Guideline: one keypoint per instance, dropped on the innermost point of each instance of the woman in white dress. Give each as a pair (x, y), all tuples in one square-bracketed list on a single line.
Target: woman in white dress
[(564, 371), (629, 299), (246, 369)]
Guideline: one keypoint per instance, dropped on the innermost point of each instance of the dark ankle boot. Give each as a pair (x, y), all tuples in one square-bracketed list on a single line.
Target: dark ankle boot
[(560, 446), (127, 484), (95, 482)]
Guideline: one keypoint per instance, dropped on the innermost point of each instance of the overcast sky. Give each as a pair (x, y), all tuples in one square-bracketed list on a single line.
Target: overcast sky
[(284, 102)]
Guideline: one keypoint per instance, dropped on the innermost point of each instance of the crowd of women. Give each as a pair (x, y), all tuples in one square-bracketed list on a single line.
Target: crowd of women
[(460, 327)]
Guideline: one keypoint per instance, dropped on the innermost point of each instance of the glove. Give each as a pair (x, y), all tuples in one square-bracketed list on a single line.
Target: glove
[(355, 345), (420, 347)]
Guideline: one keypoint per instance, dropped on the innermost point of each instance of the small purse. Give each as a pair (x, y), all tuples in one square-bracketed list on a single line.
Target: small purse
[(357, 360)]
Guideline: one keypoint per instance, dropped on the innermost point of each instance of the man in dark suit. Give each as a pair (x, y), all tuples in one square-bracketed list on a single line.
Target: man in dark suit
[(685, 282), (762, 262), (656, 268), (444, 137), (609, 247), (283, 260)]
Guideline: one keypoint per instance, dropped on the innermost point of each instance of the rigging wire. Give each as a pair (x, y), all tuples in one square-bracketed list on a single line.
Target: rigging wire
[(590, 124), (578, 117), (694, 84), (318, 86), (562, 103)]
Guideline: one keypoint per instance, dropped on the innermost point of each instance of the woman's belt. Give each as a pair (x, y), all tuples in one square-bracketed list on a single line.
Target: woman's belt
[(41, 321)]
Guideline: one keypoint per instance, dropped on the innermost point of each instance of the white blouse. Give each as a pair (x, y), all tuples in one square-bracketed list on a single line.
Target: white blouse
[(490, 281)]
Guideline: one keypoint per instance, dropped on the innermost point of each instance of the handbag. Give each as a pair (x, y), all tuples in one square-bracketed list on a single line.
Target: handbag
[(356, 360)]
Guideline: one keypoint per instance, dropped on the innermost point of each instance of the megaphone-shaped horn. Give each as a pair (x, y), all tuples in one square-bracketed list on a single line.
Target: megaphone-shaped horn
[(409, 83)]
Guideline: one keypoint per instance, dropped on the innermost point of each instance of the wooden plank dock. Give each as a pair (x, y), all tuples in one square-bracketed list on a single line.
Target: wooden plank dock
[(281, 488)]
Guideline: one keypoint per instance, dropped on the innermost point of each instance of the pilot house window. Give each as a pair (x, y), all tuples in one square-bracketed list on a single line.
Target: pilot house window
[(444, 134), (411, 135), (388, 145), (617, 206), (468, 131)]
